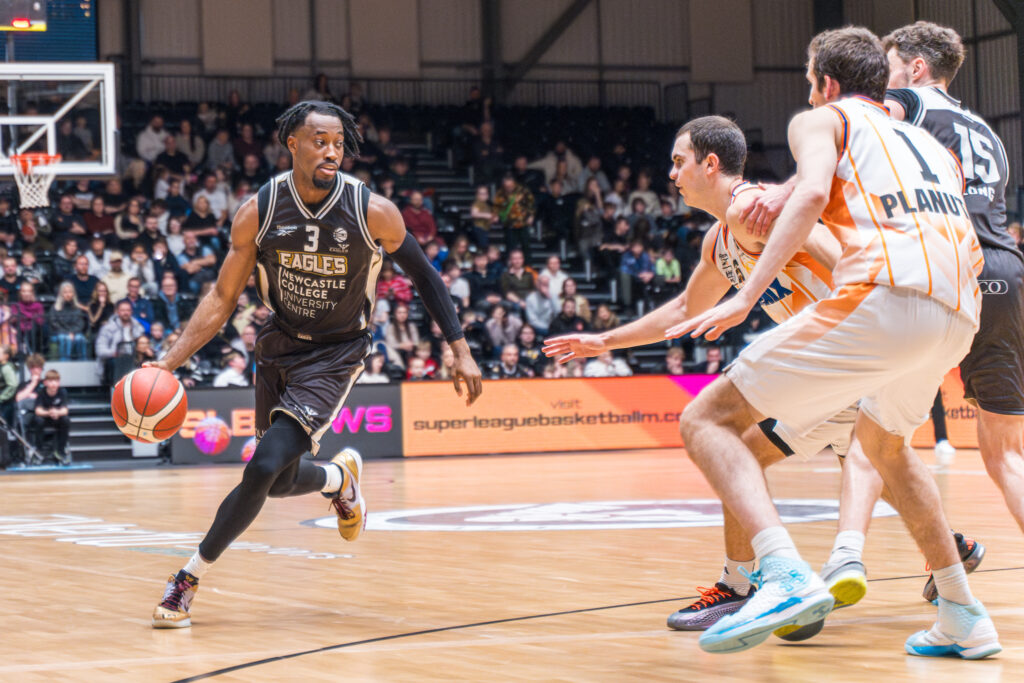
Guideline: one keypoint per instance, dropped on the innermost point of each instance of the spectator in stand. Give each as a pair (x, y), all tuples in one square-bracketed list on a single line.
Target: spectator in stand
[(157, 334), (8, 326), (82, 192), (144, 351), (712, 364), (476, 335), (115, 199), (244, 190), (668, 269), (246, 144), (567, 321), (9, 229), (141, 266), (128, 225), (8, 388), (251, 171), (483, 286), (175, 202), (548, 164), (517, 281), (175, 236), (190, 143), (405, 181), (64, 261), (569, 291), (203, 224), (573, 368), (593, 170), (418, 220), (635, 272), (150, 142), (169, 307), (188, 372), (98, 222), (68, 323), (11, 281), (30, 270), (215, 195), (484, 217), (374, 372), (274, 150), (28, 390), (236, 112), (643, 191), (557, 210), (458, 287), (51, 412), (391, 286), (486, 155), (604, 318), (614, 246), (514, 205), (65, 220), (320, 90), (556, 278), (509, 367), (604, 365), (245, 345), (100, 308), (495, 262), (461, 254), (173, 159), (220, 153), (142, 308), (435, 253), (386, 148), (668, 222), (116, 278), (674, 361), (531, 354), (234, 372), (540, 309), (83, 281), (502, 327), (30, 319), (402, 335), (417, 370), (206, 120), (570, 184), (422, 355), (199, 262), (588, 226), (530, 178)]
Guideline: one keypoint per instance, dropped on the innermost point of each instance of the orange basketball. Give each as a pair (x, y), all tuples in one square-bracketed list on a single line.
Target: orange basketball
[(149, 405)]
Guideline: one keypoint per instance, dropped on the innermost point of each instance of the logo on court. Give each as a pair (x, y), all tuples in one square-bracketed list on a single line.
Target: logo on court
[(629, 514)]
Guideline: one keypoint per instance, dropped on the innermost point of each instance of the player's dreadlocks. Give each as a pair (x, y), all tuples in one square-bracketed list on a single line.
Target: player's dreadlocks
[(296, 116)]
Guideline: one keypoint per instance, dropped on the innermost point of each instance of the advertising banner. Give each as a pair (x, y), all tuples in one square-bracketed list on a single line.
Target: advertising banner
[(961, 417), (220, 425), (534, 415)]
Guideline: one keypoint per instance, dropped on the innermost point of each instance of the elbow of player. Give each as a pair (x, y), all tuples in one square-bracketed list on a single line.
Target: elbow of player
[(811, 194)]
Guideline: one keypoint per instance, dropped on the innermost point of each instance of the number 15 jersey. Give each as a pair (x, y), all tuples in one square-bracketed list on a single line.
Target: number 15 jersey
[(897, 208)]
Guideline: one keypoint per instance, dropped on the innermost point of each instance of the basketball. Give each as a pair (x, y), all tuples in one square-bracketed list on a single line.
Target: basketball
[(149, 405)]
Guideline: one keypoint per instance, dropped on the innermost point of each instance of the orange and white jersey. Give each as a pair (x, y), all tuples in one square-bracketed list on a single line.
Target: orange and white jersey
[(802, 282), (897, 208)]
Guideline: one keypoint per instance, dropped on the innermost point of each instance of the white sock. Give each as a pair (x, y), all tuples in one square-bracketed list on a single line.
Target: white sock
[(849, 547), (197, 566), (334, 478), (951, 583), (774, 540), (734, 578)]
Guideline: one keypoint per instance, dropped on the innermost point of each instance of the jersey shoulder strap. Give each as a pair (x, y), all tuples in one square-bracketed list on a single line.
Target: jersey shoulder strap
[(266, 202)]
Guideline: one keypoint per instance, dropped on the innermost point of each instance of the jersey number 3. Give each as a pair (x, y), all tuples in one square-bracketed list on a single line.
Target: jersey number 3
[(313, 235)]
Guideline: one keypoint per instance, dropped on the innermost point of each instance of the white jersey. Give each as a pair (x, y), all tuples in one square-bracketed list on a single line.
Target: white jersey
[(802, 282), (897, 208)]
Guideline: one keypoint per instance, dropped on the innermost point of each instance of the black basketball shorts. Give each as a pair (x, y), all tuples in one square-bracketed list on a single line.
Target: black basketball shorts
[(306, 380), (993, 370)]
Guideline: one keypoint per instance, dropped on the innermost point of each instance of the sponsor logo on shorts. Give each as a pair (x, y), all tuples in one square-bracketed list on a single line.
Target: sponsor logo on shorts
[(994, 286), (630, 514)]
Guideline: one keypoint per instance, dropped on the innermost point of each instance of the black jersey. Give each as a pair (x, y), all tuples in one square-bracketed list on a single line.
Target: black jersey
[(980, 151), (317, 266)]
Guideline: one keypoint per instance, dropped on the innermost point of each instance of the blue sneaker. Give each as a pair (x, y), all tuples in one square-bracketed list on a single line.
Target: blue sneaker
[(962, 630), (788, 593)]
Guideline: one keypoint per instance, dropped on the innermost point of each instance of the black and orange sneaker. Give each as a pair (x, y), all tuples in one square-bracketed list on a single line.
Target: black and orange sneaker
[(715, 603), (172, 612), (971, 554)]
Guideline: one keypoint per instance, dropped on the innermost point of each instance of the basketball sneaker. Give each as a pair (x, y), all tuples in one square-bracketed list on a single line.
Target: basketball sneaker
[(847, 582), (714, 603), (351, 510), (172, 612), (962, 630), (788, 593), (971, 554)]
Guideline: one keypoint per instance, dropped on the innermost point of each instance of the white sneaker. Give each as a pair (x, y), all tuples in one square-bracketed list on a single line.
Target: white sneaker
[(962, 630), (944, 453)]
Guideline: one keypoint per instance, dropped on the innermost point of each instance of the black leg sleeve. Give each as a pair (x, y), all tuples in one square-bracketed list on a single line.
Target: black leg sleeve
[(939, 418), (279, 450)]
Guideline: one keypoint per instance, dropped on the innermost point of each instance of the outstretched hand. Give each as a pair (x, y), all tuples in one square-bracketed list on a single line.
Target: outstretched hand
[(713, 323), (158, 364), (466, 370), (759, 215), (570, 346)]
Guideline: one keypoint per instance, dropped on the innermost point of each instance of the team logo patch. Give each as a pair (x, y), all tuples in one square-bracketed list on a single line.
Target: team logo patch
[(629, 514), (340, 234), (285, 230)]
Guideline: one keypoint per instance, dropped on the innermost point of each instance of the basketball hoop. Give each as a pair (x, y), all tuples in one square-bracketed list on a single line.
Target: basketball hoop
[(33, 172)]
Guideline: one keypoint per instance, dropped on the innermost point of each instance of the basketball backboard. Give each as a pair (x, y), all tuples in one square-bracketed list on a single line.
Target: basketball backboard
[(57, 108)]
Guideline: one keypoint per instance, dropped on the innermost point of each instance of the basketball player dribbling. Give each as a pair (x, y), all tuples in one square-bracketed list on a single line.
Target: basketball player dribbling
[(924, 58), (316, 238), (905, 309), (707, 164)]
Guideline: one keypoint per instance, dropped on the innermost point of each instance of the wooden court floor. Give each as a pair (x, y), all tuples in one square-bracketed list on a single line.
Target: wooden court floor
[(84, 557)]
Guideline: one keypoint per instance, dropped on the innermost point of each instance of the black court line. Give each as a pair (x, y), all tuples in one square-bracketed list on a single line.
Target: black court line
[(492, 622)]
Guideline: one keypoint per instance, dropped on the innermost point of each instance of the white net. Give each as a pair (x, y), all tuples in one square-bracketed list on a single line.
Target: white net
[(34, 174)]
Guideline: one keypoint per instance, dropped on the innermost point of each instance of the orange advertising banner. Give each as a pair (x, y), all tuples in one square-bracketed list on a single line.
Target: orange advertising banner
[(532, 415), (961, 417)]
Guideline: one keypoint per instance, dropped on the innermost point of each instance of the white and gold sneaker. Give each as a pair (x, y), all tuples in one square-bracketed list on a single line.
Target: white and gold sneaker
[(351, 510)]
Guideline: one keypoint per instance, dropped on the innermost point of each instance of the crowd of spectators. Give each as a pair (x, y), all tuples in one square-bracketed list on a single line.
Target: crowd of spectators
[(113, 270)]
